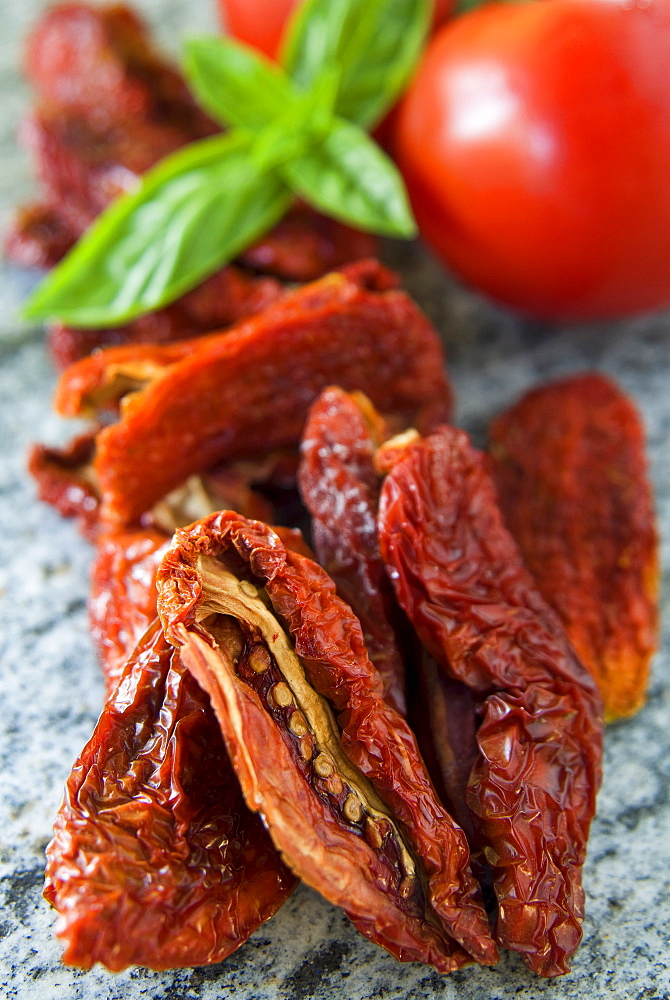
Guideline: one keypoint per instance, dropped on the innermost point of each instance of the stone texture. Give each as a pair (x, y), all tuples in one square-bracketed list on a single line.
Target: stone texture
[(50, 689)]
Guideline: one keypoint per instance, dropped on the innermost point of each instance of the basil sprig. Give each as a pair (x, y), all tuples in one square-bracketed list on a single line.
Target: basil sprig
[(296, 130), (375, 44)]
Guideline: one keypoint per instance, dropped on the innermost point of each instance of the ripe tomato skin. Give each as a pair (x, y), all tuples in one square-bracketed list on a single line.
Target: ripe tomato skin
[(260, 23), (535, 142)]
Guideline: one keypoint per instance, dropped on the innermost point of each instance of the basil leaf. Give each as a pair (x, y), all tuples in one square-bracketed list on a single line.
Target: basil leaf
[(188, 216), (236, 84), (375, 43), (348, 177)]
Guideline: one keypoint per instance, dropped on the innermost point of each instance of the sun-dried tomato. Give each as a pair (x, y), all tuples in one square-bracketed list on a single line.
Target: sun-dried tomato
[(305, 245), (37, 237), (65, 481), (261, 487), (571, 473), (331, 767), (339, 486), (99, 60), (122, 601), (443, 716), (191, 405), (459, 577), (156, 860)]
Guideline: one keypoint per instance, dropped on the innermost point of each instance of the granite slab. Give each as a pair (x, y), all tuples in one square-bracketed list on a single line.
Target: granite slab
[(51, 691)]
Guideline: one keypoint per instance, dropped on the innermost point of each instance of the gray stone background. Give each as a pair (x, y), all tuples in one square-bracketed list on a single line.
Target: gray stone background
[(51, 692)]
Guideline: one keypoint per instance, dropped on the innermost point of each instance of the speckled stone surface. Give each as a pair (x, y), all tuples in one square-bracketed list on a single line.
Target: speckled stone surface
[(50, 688)]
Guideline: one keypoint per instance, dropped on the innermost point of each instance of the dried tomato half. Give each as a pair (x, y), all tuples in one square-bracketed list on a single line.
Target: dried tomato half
[(333, 770), (459, 577), (188, 406), (99, 60), (65, 480), (122, 602), (339, 486), (156, 860), (570, 468)]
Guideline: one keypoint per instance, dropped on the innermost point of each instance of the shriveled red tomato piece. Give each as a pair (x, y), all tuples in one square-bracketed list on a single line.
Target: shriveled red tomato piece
[(156, 860), (334, 771), (339, 485), (460, 578), (570, 468), (191, 405)]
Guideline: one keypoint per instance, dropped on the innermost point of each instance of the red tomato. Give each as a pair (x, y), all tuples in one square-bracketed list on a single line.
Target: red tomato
[(535, 142), (260, 23)]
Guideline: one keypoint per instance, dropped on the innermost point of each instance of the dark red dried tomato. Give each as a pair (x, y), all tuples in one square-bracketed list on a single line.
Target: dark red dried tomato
[(217, 398), (65, 481), (339, 486), (306, 245), (99, 60), (459, 577), (155, 860), (37, 237), (122, 602), (443, 716), (571, 473), (332, 768)]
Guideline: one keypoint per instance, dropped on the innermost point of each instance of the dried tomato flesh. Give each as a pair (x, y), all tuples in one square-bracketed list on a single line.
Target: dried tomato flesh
[(459, 577), (305, 245), (346, 799), (339, 486), (98, 60), (64, 480), (570, 469), (155, 859), (220, 397), (37, 237), (122, 602), (443, 716)]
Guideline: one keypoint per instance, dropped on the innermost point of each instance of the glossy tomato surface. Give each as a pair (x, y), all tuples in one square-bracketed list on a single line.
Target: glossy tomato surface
[(260, 23), (535, 142)]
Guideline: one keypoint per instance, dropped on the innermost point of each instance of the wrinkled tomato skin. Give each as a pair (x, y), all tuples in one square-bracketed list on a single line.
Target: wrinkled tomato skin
[(260, 23), (535, 142)]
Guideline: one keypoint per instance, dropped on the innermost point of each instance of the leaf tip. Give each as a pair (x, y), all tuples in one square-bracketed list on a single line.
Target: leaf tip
[(33, 307), (409, 230)]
